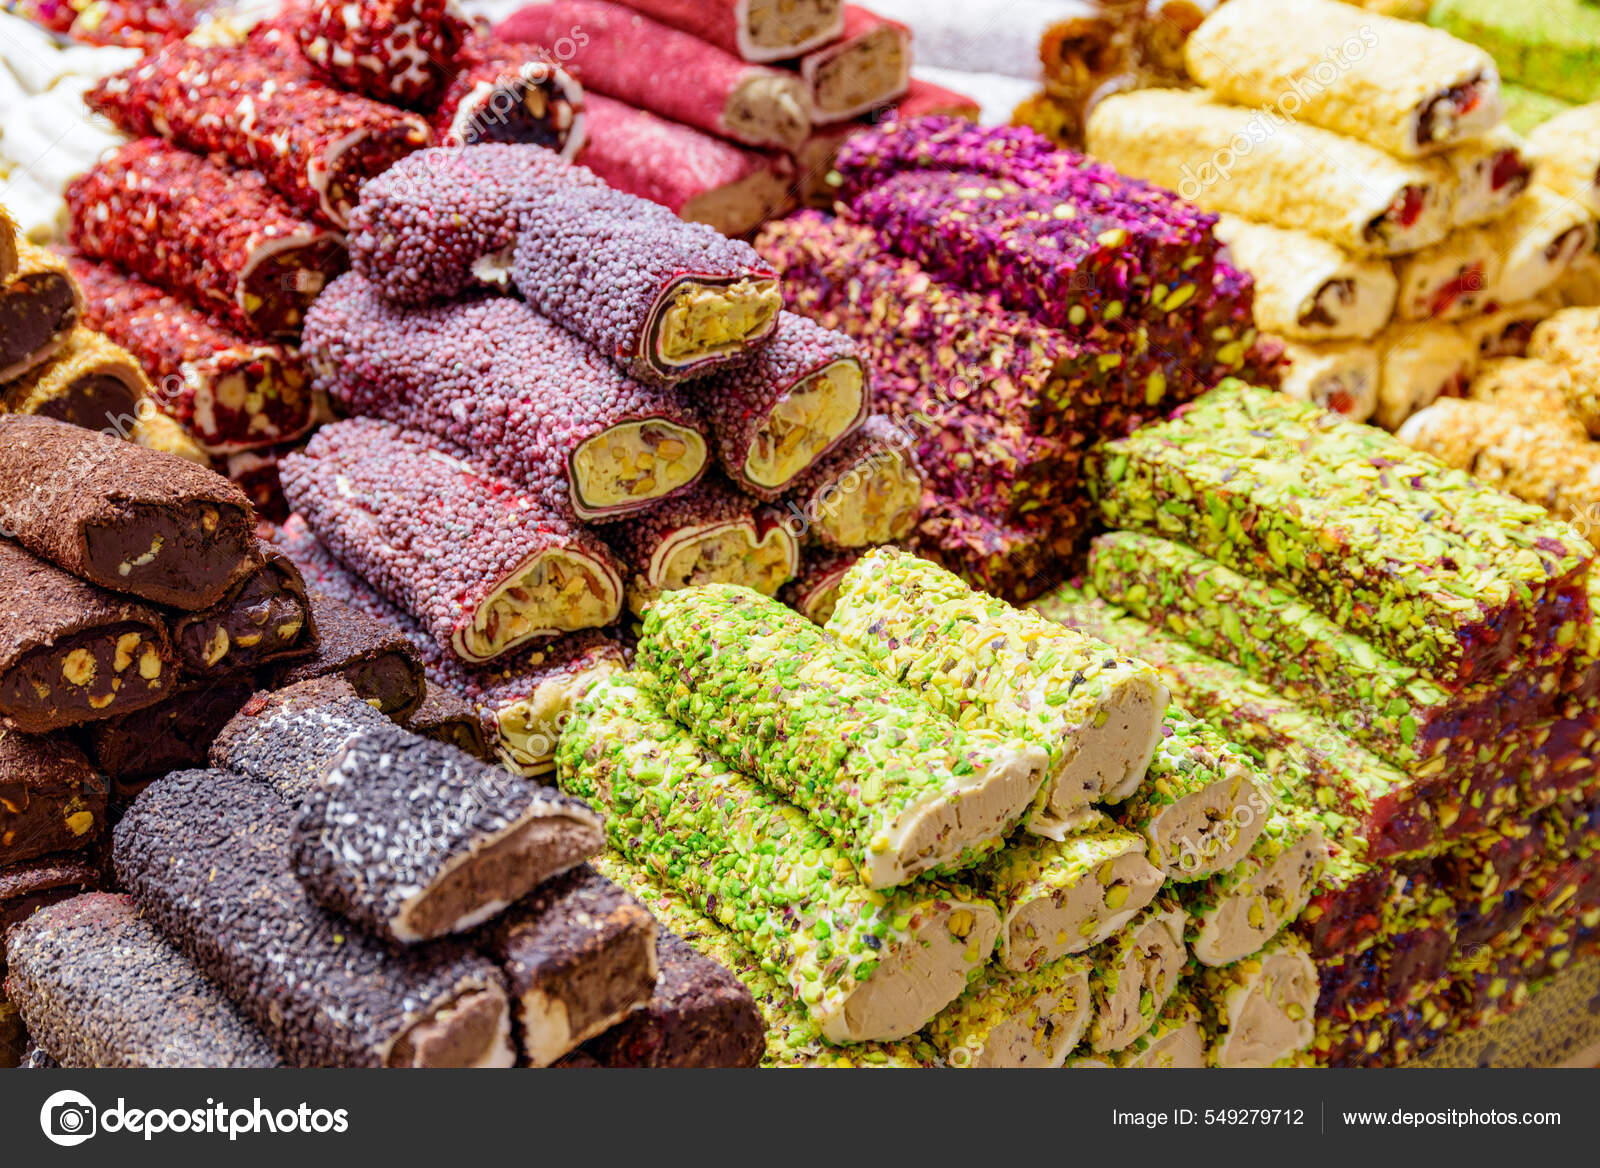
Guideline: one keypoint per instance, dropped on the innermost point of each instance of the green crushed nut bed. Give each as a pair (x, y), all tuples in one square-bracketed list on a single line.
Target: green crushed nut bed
[(868, 965), (902, 790), (980, 661)]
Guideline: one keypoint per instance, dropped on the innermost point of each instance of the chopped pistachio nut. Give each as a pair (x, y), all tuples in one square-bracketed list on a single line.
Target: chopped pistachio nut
[(1175, 1041), (1134, 974), (1010, 1019), (902, 790), (634, 461), (867, 965), (804, 422), (1064, 896), (1235, 913), (983, 663), (553, 592), (1263, 1008), (702, 320)]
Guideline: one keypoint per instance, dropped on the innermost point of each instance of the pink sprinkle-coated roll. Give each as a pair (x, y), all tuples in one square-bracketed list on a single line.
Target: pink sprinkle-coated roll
[(757, 30), (868, 67)]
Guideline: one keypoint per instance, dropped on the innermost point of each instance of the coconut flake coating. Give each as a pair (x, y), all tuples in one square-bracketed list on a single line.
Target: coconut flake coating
[(441, 221), (261, 110), (516, 94), (389, 50), (664, 299), (207, 856), (867, 491), (795, 399), (414, 840), (796, 903), (536, 405), (447, 542), (900, 788), (221, 238), (97, 986)]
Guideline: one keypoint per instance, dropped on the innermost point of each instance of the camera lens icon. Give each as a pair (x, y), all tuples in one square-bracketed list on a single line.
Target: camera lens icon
[(68, 1118)]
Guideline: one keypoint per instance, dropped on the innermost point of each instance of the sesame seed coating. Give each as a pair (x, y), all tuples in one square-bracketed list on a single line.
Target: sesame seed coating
[(414, 840), (373, 493), (536, 405), (207, 857), (389, 50), (98, 986), (441, 222), (663, 298)]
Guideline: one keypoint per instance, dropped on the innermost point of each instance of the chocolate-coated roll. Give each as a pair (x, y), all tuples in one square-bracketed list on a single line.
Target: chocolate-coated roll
[(265, 617), (171, 736), (377, 659), (445, 717), (51, 799)]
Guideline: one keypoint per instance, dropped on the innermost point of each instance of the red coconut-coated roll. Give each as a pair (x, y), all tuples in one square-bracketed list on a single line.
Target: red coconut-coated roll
[(390, 50), (220, 237), (679, 76), (484, 566), (441, 222), (868, 66), (815, 589), (510, 93), (530, 401), (757, 30), (796, 399), (666, 300), (230, 392), (867, 492), (257, 109), (695, 176), (712, 534)]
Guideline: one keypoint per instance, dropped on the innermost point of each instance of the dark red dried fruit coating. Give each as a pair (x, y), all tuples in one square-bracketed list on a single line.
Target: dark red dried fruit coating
[(510, 93), (489, 375), (444, 221), (619, 259), (389, 50), (260, 110), (221, 238), (433, 533), (190, 357)]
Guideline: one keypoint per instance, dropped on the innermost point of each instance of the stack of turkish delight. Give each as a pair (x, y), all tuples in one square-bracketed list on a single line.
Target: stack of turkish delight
[(737, 110), (1019, 302), (519, 477), (1544, 53), (942, 831), (1398, 232), (1411, 657)]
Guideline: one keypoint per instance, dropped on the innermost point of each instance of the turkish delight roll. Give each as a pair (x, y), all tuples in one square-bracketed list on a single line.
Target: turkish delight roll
[(918, 794), (170, 736), (1549, 47), (1571, 339), (1404, 88), (1307, 288), (868, 491), (1537, 240), (1452, 279), (444, 221), (814, 591), (1568, 151), (314, 144), (414, 840), (93, 383), (757, 30), (981, 662), (1202, 804), (867, 68), (579, 955), (1506, 330), (1418, 363), (1263, 1008), (390, 50), (51, 799), (289, 738), (1176, 1040), (710, 534), (790, 902), (1491, 173), (1063, 896), (539, 406), (40, 306), (98, 986), (729, 98), (447, 718), (1298, 176), (1017, 561), (219, 237), (665, 299), (796, 398), (1236, 912), (1341, 376), (376, 658), (695, 176), (515, 94), (924, 99), (208, 857), (265, 617), (231, 392), (1134, 973), (1012, 1019), (485, 567), (126, 518)]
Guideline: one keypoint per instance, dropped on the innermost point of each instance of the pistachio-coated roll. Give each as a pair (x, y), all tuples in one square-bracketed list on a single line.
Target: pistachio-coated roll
[(1134, 974), (1236, 912), (1263, 1008)]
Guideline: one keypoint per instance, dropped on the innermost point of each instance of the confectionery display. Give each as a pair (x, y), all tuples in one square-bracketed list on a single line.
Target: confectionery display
[(782, 534)]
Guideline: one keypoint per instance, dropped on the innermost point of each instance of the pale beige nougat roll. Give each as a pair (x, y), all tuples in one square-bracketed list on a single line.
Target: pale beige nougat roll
[(1341, 376), (1308, 289), (1491, 172), (1568, 150), (1536, 242), (1453, 279), (1418, 363)]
